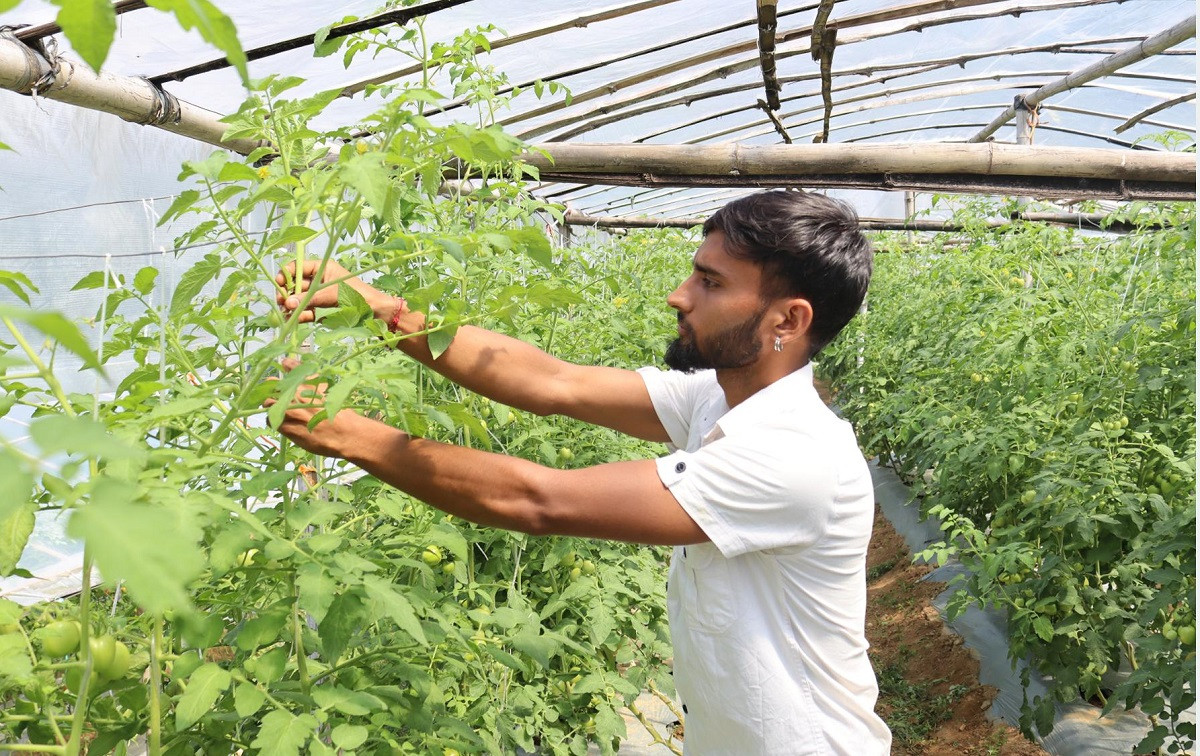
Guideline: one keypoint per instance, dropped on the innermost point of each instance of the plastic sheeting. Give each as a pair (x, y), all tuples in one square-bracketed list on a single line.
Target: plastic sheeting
[(1079, 730)]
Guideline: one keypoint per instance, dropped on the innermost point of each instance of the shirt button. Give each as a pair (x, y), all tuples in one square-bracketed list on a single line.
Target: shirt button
[(680, 467)]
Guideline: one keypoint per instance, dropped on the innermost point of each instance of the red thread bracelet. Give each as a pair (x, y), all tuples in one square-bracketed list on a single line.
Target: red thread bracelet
[(401, 308)]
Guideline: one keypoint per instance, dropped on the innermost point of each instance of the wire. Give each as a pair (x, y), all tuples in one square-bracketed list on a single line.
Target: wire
[(131, 254), (91, 204)]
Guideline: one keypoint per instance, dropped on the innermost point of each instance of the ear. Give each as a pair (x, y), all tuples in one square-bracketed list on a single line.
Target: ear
[(794, 318)]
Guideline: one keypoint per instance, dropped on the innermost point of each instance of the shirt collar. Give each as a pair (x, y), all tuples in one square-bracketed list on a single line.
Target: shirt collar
[(787, 393)]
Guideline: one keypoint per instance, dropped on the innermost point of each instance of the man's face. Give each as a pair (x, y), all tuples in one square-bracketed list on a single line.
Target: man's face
[(720, 312)]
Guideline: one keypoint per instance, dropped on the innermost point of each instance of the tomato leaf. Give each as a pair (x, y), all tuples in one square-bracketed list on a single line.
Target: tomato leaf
[(17, 283), (56, 326), (247, 699), (213, 25), (388, 602), (204, 687), (283, 733), (439, 340), (153, 547), (349, 736), (15, 528), (356, 703), (344, 617), (193, 282), (89, 25), (317, 589)]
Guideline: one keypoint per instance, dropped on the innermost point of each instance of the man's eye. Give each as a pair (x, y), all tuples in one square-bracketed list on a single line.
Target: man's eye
[(709, 283)]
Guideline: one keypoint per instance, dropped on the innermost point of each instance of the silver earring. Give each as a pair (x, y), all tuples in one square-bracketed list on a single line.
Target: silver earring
[(778, 345)]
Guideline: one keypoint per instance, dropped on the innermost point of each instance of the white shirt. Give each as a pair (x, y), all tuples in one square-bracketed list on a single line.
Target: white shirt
[(767, 620)]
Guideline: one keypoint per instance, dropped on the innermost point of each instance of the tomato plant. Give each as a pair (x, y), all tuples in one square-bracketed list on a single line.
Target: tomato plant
[(267, 599), (1037, 386)]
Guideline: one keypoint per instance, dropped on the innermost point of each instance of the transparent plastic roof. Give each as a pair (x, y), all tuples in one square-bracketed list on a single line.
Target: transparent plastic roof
[(688, 71)]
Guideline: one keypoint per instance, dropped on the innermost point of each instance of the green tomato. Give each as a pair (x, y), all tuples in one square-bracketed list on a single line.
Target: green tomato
[(567, 560), (60, 638), (566, 454), (448, 568), (119, 664), (588, 567), (575, 573), (431, 556), (104, 650), (274, 318), (1187, 635)]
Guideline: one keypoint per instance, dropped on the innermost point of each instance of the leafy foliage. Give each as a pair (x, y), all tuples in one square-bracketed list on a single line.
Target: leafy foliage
[(1038, 387), (280, 603)]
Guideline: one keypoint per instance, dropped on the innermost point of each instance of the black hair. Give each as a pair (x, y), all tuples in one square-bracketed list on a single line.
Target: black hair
[(808, 246)]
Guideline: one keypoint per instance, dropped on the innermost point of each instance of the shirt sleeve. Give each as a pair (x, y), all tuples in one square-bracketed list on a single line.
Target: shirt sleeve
[(746, 498), (674, 395)]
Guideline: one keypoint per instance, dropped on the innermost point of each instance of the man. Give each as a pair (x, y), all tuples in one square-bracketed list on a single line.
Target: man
[(766, 496)]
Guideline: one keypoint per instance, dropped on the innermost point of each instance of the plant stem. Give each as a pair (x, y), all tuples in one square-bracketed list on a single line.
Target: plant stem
[(155, 738)]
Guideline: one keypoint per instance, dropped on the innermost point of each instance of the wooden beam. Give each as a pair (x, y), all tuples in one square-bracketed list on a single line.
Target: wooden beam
[(24, 71), (959, 168), (1151, 46)]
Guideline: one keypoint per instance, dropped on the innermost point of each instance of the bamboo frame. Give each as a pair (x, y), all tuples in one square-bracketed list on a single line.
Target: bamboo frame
[(898, 90), (922, 66), (131, 99), (727, 69), (1184, 30), (964, 108), (579, 22), (399, 16), (890, 14)]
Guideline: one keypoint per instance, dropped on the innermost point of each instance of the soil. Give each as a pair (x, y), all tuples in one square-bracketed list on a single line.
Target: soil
[(929, 682)]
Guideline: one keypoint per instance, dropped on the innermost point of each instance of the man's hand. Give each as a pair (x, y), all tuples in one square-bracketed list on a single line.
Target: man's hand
[(332, 437), (383, 305)]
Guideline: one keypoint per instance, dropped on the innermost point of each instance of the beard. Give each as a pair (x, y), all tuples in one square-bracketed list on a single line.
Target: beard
[(735, 347)]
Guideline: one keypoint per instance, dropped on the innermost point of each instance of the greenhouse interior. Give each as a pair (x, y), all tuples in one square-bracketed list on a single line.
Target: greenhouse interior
[(178, 575)]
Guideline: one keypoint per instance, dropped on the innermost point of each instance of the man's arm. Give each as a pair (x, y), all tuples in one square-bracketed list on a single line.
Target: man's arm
[(624, 501), (505, 369)]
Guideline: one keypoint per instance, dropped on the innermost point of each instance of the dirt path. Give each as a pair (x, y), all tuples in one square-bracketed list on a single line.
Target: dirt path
[(929, 684)]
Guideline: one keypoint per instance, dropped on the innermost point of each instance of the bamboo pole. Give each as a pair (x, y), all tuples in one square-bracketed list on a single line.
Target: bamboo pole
[(579, 22), (23, 71), (824, 41), (961, 168), (912, 158), (766, 50), (1090, 221), (1044, 127), (1154, 109), (1151, 46), (921, 66)]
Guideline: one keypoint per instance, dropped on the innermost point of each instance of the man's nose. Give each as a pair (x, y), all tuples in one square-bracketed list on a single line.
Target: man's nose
[(676, 298)]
